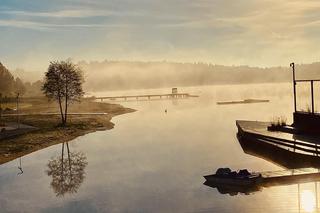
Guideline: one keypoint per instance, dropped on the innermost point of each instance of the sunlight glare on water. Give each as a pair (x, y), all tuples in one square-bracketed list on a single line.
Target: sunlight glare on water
[(308, 201)]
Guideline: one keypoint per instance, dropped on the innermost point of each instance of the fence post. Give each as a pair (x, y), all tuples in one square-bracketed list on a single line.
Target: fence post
[(294, 86), (312, 98)]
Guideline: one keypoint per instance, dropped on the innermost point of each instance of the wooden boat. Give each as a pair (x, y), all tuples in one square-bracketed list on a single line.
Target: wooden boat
[(227, 177)]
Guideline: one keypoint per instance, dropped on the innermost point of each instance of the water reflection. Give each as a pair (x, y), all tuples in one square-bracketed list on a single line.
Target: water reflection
[(308, 198), (155, 161), (306, 188), (233, 190), (284, 158), (20, 167), (67, 173), (308, 201)]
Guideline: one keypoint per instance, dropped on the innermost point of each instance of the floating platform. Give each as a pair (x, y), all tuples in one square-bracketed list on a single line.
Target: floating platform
[(286, 149), (245, 101)]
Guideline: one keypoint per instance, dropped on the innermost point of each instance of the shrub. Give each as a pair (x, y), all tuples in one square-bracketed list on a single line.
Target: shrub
[(277, 122)]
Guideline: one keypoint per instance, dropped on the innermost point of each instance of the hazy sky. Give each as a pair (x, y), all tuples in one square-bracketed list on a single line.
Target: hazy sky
[(254, 32)]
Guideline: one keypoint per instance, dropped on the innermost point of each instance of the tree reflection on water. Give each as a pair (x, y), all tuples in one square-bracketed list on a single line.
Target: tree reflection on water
[(67, 172)]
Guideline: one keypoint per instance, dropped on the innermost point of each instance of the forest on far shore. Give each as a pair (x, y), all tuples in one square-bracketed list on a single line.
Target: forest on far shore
[(10, 85), (125, 75)]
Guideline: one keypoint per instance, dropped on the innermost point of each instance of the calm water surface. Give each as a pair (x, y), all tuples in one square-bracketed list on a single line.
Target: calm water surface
[(154, 161)]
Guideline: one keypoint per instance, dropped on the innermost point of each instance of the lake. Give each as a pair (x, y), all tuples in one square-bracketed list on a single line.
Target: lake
[(154, 161)]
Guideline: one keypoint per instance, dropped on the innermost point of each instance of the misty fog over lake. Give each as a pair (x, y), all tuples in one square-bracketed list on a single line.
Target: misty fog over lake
[(165, 106), (154, 161)]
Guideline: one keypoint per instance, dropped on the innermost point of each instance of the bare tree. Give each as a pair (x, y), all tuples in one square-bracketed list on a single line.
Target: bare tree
[(63, 83)]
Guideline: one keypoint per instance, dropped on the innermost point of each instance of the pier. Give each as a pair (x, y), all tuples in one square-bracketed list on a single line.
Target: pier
[(147, 97), (288, 177)]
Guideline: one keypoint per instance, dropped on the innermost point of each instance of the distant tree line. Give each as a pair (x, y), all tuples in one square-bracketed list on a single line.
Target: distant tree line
[(115, 75), (10, 86)]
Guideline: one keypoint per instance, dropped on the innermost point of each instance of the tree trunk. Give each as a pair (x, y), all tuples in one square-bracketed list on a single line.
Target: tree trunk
[(62, 176), (66, 105), (66, 111), (69, 158), (61, 112), (0, 108)]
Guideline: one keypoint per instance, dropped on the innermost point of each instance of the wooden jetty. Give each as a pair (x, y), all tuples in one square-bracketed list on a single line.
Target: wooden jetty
[(288, 177), (147, 97), (270, 179)]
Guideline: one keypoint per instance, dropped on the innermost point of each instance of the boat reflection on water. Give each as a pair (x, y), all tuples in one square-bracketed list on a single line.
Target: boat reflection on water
[(233, 189), (67, 172)]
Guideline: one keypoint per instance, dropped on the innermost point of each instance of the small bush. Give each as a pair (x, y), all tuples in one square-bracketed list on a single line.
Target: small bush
[(308, 108), (283, 121), (277, 122)]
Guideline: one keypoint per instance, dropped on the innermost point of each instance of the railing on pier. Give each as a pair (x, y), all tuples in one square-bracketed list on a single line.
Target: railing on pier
[(287, 172), (295, 81), (291, 145)]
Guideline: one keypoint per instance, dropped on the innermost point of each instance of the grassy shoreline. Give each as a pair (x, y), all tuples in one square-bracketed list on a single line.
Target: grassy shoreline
[(49, 131)]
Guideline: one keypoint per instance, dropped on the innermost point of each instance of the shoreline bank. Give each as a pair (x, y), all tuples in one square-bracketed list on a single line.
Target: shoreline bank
[(49, 132)]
